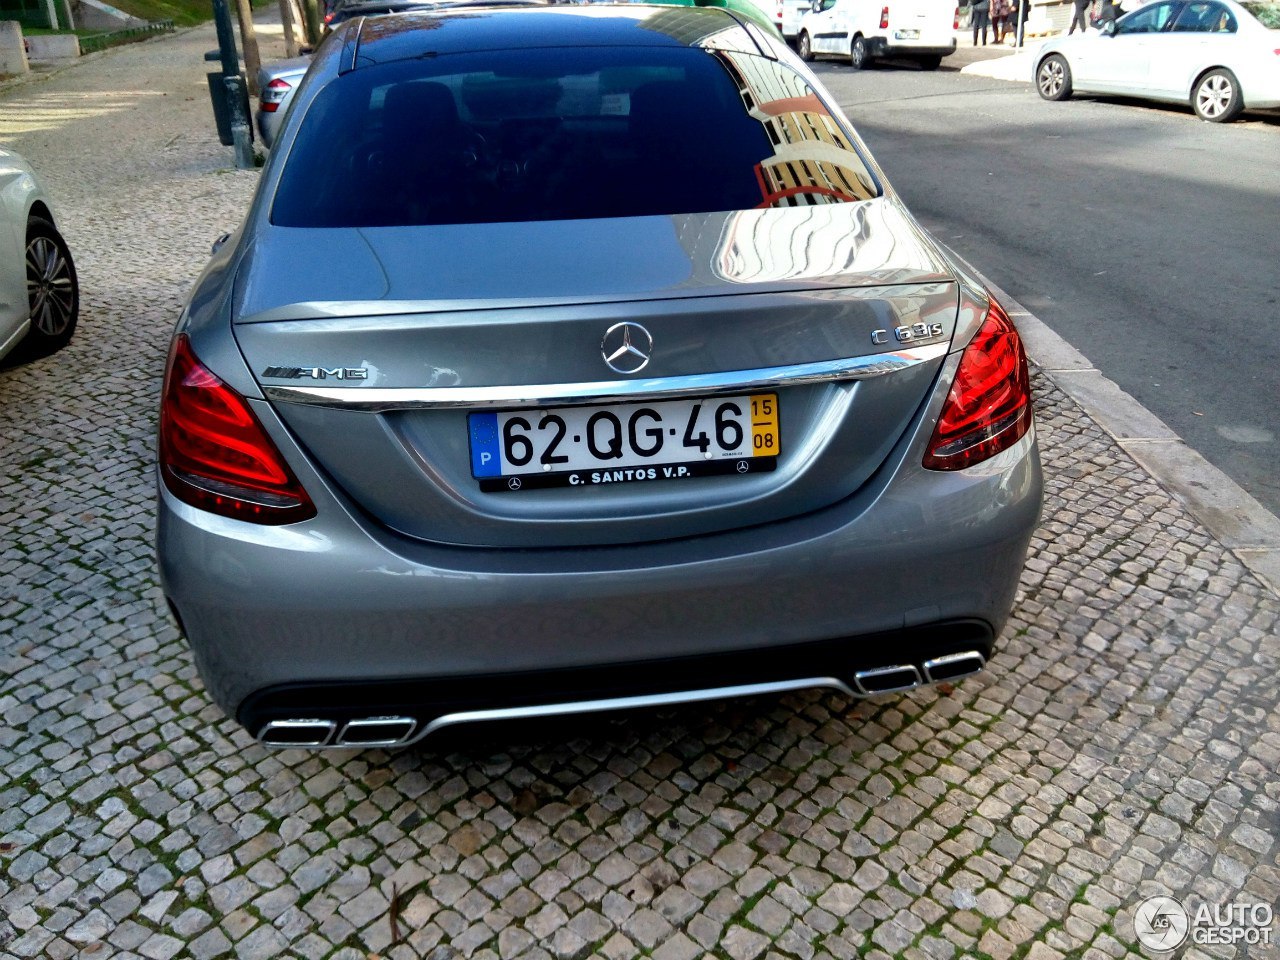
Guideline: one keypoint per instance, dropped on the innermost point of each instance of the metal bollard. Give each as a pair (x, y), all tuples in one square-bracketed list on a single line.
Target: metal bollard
[(241, 132)]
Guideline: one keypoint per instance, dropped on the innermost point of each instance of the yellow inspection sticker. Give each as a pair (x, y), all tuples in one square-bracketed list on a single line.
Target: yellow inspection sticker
[(765, 438)]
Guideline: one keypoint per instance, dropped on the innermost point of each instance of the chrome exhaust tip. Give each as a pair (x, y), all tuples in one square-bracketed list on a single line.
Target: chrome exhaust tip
[(954, 666), (887, 679), (297, 733), (376, 732)]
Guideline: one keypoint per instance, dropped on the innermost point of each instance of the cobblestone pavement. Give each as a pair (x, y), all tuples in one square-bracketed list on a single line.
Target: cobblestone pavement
[(1124, 742)]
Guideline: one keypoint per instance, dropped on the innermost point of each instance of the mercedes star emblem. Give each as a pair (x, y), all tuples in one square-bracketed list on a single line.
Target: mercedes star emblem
[(626, 347)]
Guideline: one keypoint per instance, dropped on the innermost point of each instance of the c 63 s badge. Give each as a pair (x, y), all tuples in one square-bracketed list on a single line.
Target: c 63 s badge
[(917, 331), (316, 373)]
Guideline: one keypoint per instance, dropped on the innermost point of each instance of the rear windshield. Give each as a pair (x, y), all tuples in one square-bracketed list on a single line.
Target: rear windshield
[(560, 134), (1268, 13)]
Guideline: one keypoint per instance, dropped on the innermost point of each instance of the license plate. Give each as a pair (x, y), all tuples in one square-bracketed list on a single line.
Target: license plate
[(624, 443), (907, 35)]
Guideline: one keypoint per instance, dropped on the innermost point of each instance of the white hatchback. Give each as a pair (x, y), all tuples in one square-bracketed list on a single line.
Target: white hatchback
[(865, 30), (1219, 55)]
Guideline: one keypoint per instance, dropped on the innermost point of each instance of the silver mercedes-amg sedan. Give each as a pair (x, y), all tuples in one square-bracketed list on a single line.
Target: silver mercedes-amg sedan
[(574, 359)]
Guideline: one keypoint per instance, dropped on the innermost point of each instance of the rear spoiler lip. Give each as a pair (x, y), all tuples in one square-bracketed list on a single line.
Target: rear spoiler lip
[(339, 309)]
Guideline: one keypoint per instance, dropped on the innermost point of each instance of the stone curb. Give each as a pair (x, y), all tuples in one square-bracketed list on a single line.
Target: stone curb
[(1238, 521)]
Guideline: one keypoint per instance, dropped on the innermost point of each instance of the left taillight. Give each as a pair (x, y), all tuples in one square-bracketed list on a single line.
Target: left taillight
[(955, 22), (884, 19), (989, 406), (273, 95), (215, 455)]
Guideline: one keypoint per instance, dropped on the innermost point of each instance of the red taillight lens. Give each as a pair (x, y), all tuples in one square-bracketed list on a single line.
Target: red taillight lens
[(214, 453), (272, 94), (328, 18), (989, 406), (884, 18), (955, 23)]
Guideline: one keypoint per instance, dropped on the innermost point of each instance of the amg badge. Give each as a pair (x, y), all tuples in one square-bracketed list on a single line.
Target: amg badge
[(316, 373)]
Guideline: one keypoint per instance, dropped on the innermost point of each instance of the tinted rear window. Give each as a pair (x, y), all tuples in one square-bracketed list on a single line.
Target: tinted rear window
[(559, 134)]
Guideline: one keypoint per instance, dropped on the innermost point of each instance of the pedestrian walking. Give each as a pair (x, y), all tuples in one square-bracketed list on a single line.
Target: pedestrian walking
[(1109, 12), (1001, 11), (1081, 16), (1018, 22), (981, 10)]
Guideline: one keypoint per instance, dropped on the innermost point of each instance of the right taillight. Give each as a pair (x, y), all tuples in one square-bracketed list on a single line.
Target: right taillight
[(989, 406), (215, 455), (955, 22), (272, 95), (884, 19)]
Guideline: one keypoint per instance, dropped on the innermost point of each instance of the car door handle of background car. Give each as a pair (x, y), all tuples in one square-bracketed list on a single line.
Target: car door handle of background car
[(378, 399)]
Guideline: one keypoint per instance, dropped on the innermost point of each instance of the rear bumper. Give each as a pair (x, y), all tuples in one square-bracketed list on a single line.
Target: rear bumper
[(268, 125), (888, 47), (344, 713), (348, 606)]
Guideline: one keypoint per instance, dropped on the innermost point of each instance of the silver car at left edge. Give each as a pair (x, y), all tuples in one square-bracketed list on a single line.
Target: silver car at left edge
[(39, 290), (575, 360)]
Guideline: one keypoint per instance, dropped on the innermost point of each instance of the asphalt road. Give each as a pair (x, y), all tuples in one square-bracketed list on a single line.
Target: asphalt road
[(1144, 236)]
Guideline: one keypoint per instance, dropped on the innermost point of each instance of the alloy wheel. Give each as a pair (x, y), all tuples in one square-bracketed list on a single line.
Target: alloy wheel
[(1051, 78), (50, 286), (1214, 95)]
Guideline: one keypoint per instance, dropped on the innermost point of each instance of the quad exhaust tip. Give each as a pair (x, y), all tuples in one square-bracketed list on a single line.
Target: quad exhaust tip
[(297, 733), (953, 666), (893, 679), (362, 732), (905, 676), (377, 732)]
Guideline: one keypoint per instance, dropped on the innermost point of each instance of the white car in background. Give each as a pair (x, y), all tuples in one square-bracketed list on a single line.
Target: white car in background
[(866, 30), (793, 12), (1219, 55)]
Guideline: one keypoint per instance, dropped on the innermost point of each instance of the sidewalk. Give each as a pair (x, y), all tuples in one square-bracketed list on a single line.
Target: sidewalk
[(1123, 743), (1016, 65), (1002, 61)]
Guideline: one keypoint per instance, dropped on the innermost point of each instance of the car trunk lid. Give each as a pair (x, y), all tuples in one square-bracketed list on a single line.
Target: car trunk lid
[(378, 347)]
